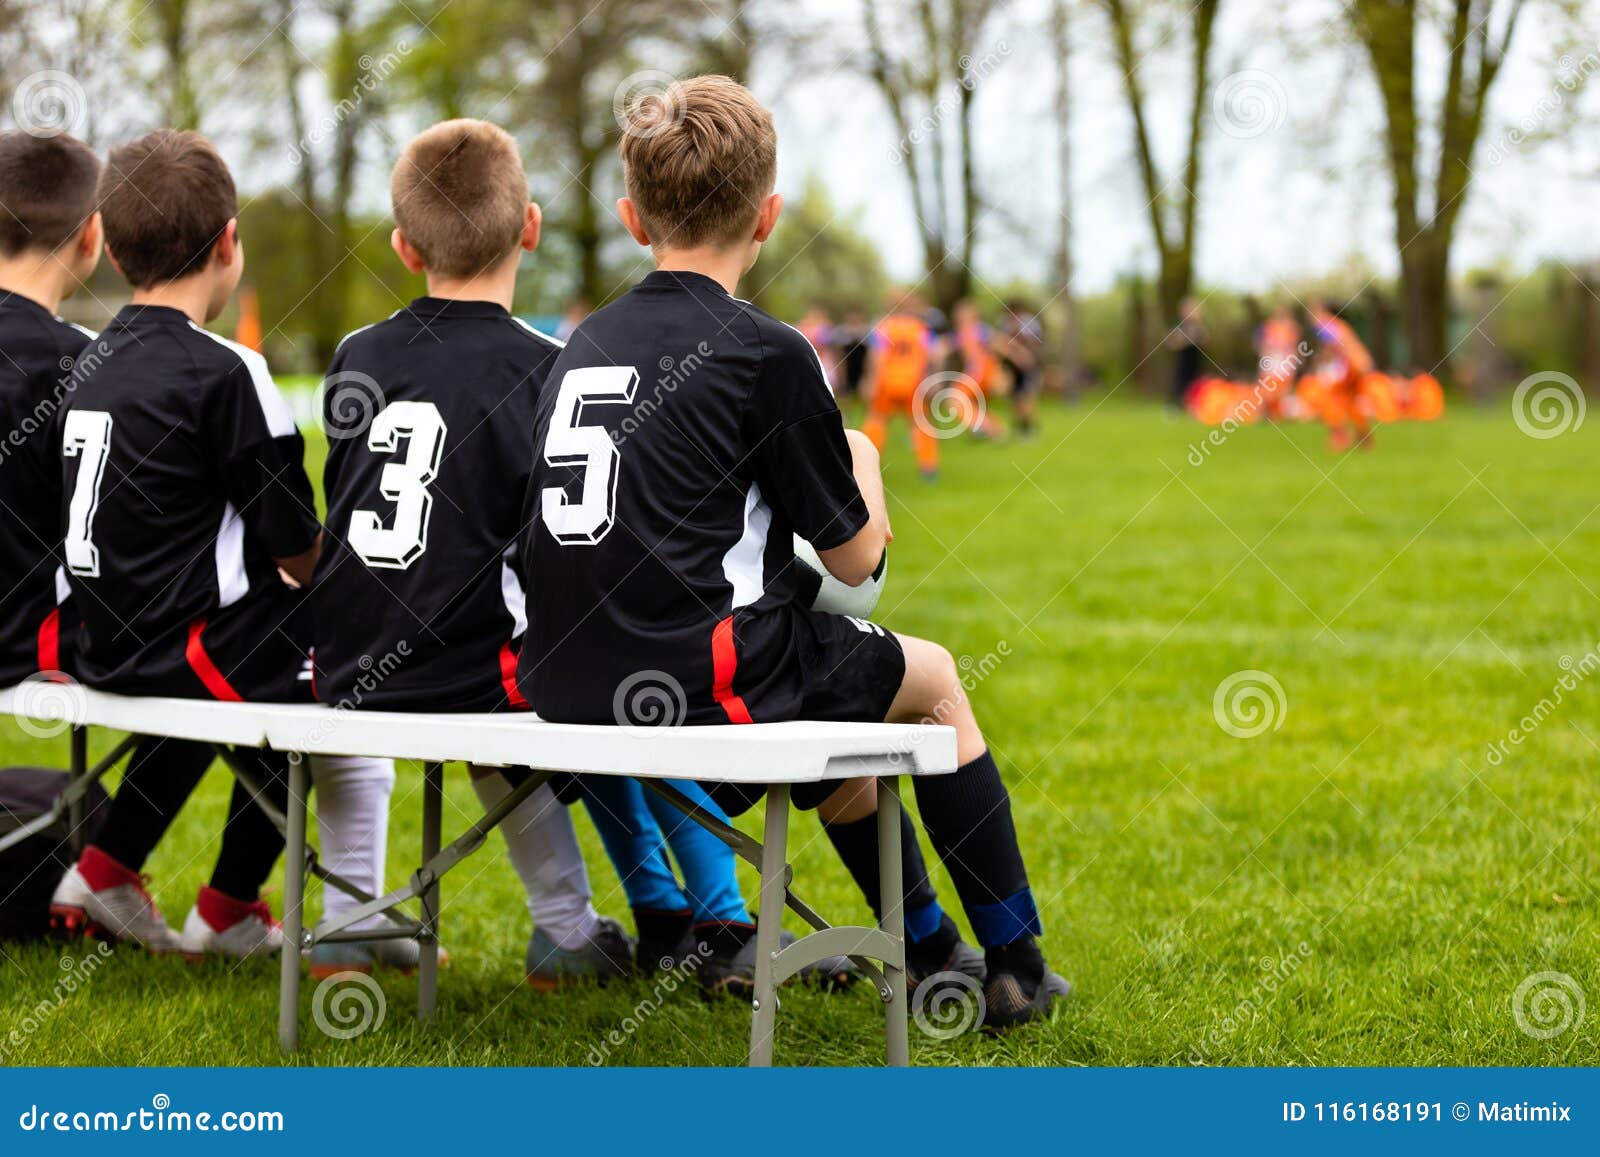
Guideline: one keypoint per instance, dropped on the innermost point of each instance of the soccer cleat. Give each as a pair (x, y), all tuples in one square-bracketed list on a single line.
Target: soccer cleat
[(608, 954), (943, 952), (1020, 986), (99, 896), (220, 925), (666, 940), (729, 967), (367, 956)]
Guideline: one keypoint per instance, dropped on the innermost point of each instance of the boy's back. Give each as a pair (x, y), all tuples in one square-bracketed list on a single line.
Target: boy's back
[(36, 355), (419, 591), (682, 438), (183, 481)]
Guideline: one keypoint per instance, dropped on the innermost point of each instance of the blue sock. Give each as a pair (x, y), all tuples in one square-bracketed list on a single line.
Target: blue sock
[(923, 920), (632, 841), (1012, 919), (706, 862)]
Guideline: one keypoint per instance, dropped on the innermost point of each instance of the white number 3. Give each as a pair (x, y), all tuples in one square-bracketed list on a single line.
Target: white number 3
[(588, 520), (405, 483)]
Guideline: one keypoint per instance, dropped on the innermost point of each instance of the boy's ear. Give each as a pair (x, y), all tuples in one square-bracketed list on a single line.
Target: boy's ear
[(406, 252), (115, 264), (530, 227), (629, 215), (90, 237), (228, 243), (767, 218)]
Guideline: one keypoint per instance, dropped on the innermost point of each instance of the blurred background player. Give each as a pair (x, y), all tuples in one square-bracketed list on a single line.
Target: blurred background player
[(1187, 342), (975, 344), (853, 342), (904, 351), (1345, 361), (1021, 338), (819, 330), (577, 309), (1280, 357)]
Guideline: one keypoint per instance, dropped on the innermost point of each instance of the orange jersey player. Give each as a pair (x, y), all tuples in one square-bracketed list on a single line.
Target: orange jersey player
[(1346, 361), (904, 351), (1278, 345), (975, 341)]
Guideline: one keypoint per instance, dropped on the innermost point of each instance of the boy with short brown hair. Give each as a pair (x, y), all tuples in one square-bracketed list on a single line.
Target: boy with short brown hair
[(682, 439)]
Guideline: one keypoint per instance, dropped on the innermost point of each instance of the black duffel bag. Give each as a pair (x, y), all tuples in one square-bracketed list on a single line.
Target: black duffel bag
[(30, 869)]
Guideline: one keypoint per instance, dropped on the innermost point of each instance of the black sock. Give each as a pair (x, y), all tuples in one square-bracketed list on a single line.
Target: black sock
[(968, 819), (251, 843), (161, 776), (857, 844)]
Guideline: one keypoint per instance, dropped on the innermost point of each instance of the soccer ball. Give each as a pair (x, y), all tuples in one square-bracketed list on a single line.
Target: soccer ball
[(820, 591)]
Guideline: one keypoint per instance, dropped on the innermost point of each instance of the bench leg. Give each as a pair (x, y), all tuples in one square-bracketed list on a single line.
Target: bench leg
[(80, 769), (891, 886), (432, 822), (769, 923), (294, 896)]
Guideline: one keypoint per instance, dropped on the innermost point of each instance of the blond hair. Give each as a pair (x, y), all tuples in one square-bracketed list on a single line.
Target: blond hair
[(460, 196), (697, 159)]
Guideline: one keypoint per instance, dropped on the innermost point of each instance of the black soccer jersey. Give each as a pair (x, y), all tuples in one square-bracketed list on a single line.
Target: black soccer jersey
[(682, 438), (183, 481), (419, 593), (36, 356)]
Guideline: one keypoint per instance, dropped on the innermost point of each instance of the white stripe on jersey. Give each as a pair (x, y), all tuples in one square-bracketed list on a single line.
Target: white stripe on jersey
[(511, 590), (233, 583), (63, 587), (744, 566), (539, 333), (88, 333), (365, 328), (280, 419)]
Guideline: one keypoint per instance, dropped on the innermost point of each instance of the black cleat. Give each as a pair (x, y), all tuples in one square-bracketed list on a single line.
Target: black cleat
[(1020, 986), (666, 940), (942, 952), (729, 968)]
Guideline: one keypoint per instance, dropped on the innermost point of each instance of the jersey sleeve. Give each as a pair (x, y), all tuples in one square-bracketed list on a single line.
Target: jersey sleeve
[(800, 454), (261, 457)]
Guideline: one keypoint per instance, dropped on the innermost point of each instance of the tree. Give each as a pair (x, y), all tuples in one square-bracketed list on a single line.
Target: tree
[(1427, 207), (1061, 43), (1172, 207), (816, 257), (929, 87)]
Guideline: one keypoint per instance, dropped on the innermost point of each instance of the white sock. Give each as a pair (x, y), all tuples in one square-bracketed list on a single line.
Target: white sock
[(543, 846), (353, 821)]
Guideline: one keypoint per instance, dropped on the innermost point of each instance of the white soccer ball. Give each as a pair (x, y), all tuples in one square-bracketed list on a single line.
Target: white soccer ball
[(822, 592)]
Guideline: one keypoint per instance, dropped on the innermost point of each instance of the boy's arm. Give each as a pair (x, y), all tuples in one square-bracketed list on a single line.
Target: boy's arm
[(855, 561)]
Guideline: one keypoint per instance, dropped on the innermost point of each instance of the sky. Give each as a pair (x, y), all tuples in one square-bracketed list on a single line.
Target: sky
[(1297, 192)]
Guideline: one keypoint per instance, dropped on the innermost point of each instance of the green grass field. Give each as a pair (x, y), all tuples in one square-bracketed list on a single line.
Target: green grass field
[(1367, 881)]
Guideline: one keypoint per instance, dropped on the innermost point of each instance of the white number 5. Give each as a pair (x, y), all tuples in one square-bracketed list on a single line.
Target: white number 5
[(588, 520)]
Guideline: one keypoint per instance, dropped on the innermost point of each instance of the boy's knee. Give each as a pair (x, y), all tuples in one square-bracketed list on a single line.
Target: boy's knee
[(854, 799)]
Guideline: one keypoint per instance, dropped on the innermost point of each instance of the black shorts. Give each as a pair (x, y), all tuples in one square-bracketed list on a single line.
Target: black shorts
[(1024, 383), (851, 671)]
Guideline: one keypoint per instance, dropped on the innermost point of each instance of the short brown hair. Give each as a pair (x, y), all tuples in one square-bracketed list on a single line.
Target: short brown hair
[(47, 190), (697, 159), (460, 196), (165, 199)]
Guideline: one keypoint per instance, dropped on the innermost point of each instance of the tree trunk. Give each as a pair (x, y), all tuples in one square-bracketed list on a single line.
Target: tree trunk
[(1060, 19)]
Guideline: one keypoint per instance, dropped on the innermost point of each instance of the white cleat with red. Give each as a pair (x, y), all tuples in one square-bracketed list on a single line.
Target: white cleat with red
[(98, 896), (219, 925)]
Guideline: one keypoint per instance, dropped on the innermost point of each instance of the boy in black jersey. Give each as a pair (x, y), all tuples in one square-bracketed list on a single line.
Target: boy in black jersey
[(419, 595), (681, 440), (184, 503), (49, 245)]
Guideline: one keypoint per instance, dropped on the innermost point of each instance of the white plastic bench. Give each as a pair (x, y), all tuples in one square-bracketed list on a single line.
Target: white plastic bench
[(776, 754)]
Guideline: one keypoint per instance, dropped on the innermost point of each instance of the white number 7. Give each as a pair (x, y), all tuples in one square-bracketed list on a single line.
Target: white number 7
[(86, 435), (590, 519)]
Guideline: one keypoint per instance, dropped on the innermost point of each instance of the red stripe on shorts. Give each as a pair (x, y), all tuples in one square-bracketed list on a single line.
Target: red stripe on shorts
[(724, 662), (50, 641), (205, 670), (508, 678)]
